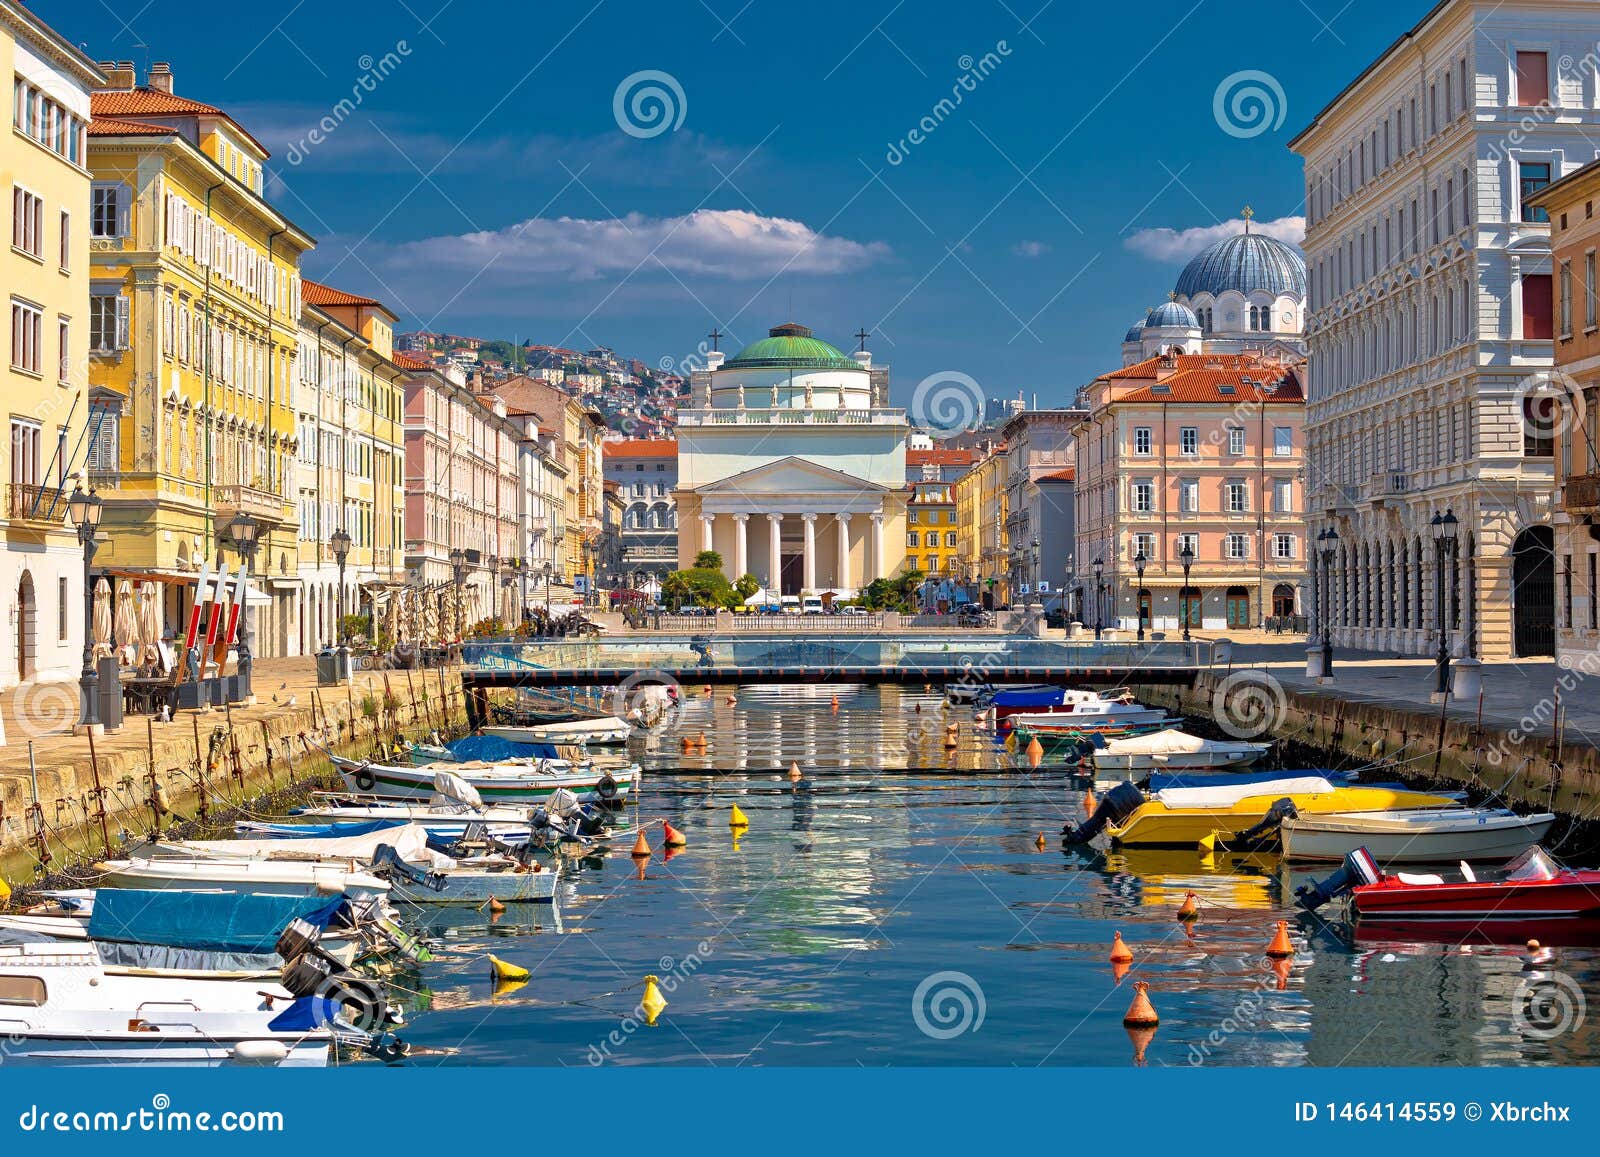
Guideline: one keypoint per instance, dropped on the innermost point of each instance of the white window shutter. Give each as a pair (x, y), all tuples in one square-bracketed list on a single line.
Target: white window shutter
[(122, 322), (124, 209)]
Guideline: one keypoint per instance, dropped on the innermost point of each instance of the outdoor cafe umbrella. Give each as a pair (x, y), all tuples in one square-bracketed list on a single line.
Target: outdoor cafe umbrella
[(149, 624), (127, 624), (102, 618), (391, 617)]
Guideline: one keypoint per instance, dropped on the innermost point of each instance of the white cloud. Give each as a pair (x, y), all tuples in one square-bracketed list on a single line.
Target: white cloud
[(725, 243), (1030, 249), (1176, 245)]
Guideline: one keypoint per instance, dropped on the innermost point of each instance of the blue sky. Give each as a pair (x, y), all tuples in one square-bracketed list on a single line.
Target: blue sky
[(485, 183)]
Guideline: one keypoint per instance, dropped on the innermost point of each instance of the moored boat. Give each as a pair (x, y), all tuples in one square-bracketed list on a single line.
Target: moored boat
[(1533, 886), (591, 732), (1175, 750), (1418, 835), (509, 781)]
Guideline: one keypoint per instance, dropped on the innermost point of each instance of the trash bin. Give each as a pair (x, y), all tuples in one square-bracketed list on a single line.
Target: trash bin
[(333, 667)]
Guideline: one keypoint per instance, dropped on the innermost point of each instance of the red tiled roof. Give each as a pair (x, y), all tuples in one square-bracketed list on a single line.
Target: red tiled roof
[(641, 448), (150, 102), (315, 293), (1067, 475), (407, 360), (939, 457), (1205, 386), (128, 128)]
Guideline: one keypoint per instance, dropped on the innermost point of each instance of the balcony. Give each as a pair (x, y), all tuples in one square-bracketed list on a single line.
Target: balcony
[(1580, 494), (33, 502), (1336, 498), (538, 526), (261, 504), (1387, 485)]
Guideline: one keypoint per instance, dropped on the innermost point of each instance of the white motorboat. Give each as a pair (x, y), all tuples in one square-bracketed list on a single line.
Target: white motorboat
[(1107, 715), (476, 881), (1416, 835), (272, 877), (1175, 750), (410, 841), (590, 732), (59, 1004), (504, 781)]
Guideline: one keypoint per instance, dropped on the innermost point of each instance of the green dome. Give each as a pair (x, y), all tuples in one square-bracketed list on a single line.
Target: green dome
[(787, 347)]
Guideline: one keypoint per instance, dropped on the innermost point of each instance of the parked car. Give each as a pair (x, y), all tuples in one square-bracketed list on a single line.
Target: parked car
[(811, 605), (854, 610)]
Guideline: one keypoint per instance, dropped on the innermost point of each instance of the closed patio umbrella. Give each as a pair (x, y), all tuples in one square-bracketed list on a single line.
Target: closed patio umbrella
[(127, 625), (149, 625), (102, 618)]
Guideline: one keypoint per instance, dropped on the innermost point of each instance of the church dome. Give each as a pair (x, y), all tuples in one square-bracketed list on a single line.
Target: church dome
[(1246, 263), (790, 346), (1135, 332), (1170, 315)]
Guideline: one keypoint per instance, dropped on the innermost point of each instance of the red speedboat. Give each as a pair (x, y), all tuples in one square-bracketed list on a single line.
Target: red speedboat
[(1532, 887)]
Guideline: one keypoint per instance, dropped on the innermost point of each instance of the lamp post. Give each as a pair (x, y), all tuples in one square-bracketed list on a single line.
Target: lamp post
[(549, 572), (244, 531), (1139, 562), (85, 510), (1099, 588), (1033, 551), (340, 542), (1329, 539), (1186, 558), (1444, 546), (1068, 577)]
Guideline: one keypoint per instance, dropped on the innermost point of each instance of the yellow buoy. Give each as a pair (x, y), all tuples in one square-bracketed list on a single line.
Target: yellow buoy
[(505, 970), (1208, 844), (5, 892), (652, 1002), (737, 818)]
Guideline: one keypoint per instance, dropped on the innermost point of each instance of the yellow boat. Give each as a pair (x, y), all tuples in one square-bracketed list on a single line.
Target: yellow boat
[(1182, 817)]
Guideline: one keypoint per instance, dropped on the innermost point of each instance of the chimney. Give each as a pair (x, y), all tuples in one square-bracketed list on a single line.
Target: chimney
[(161, 77), (119, 75)]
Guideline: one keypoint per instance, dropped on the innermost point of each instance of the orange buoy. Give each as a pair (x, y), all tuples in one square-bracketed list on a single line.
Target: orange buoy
[(1190, 908), (1119, 969), (1537, 954), (1035, 748), (794, 772), (835, 703), (1141, 1013), (1088, 801), (688, 744), (1120, 952), (1281, 948), (731, 700), (1282, 969), (672, 836), (700, 740), (1140, 1038), (1040, 843), (496, 905), (641, 847)]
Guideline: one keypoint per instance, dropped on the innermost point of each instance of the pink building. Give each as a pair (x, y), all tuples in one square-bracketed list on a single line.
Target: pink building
[(1197, 451)]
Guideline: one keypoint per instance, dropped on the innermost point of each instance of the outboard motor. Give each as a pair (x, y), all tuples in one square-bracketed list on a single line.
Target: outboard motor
[(1264, 835), (1115, 806), (387, 861), (1359, 868)]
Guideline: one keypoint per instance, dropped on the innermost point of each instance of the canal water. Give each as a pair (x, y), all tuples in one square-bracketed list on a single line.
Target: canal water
[(876, 915)]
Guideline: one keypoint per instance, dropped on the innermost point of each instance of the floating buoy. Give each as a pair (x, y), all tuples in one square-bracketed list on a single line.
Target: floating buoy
[(1040, 843), (5, 892), (641, 847), (1207, 844), (688, 744), (731, 700), (836, 704), (496, 905), (700, 741), (708, 690), (1119, 969), (1282, 969), (1120, 952), (1190, 908), (951, 737), (794, 773), (505, 970), (1141, 1013), (1140, 1038), (672, 836), (1537, 954), (1035, 752), (652, 1002), (737, 818), (506, 987), (1088, 801), (1281, 948)]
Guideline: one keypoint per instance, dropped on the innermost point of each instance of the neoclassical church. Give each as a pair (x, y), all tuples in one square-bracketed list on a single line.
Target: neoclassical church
[(792, 466), (1246, 293)]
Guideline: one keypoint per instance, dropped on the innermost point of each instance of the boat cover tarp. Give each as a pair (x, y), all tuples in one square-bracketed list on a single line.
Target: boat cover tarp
[(410, 840), (1028, 697), (491, 748), (1172, 741), (307, 1012), (1166, 780), (212, 921), (164, 958), (457, 790), (1227, 795), (337, 830)]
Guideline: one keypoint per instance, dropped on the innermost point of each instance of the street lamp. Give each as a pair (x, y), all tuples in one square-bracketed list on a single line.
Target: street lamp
[(1444, 546), (549, 572), (1329, 539), (341, 551), (1186, 558), (1033, 548), (1099, 588), (244, 530), (1139, 562), (85, 510)]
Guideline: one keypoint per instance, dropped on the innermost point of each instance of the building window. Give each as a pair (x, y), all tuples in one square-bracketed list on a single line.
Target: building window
[(108, 322), (1533, 79), (1283, 496), (1237, 497), (1588, 291), (1594, 596), (1236, 546), (64, 349), (1536, 303), (1144, 497), (1189, 541), (1566, 299), (27, 324), (62, 602), (1189, 496), (913, 539), (1283, 546), (1283, 441), (106, 209), (1539, 427), (27, 222), (1189, 441), (1235, 440), (950, 539), (913, 516), (66, 241), (25, 462), (1141, 441), (1535, 175), (1145, 544)]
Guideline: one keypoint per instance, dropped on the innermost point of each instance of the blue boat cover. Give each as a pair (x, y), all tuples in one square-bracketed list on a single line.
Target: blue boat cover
[(1162, 780), (323, 831), (491, 747), (213, 921), (1028, 697), (307, 1012)]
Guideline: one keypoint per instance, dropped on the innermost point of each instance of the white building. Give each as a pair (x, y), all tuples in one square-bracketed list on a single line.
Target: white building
[(1430, 321), (791, 466)]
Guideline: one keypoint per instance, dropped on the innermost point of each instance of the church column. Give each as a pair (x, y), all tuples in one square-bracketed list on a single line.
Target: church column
[(844, 551), (808, 578), (706, 522), (741, 544), (875, 571), (774, 582)]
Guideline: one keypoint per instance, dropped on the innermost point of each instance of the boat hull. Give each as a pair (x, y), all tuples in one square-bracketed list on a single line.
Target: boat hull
[(1154, 824), (100, 1051), (1412, 840), (596, 732), (1569, 895), (390, 782), (468, 887)]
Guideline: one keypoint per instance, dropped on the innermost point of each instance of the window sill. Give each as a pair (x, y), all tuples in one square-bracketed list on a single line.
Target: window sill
[(36, 258), (26, 372)]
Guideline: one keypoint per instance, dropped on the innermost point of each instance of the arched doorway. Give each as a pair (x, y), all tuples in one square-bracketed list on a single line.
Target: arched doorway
[(27, 626), (1189, 608), (1144, 608), (1282, 601), (1238, 608), (1533, 592)]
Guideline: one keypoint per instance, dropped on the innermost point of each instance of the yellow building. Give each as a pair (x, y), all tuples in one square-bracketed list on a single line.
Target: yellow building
[(349, 403), (46, 277), (984, 548), (933, 537), (194, 316)]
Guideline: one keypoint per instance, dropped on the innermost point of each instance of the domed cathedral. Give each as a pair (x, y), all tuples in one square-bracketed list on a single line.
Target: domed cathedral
[(791, 466), (1245, 294)]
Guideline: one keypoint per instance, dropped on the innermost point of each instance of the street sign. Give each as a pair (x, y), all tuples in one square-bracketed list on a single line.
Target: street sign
[(1044, 586)]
